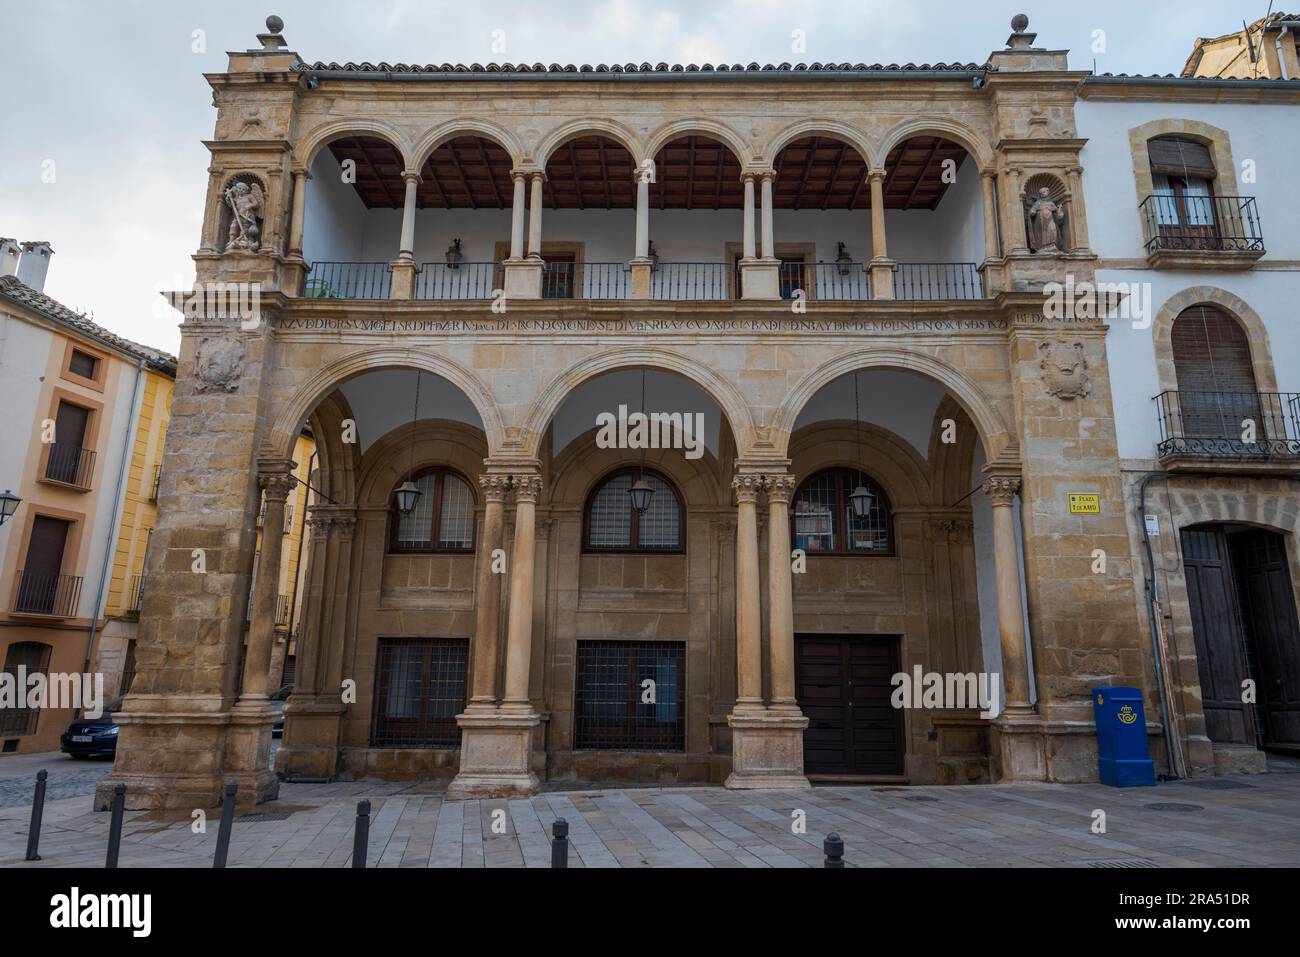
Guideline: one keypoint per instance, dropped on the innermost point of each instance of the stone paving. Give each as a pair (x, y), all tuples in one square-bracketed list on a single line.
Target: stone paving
[(1220, 822)]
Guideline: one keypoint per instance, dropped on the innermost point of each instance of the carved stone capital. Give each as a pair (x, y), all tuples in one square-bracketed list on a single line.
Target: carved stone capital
[(494, 487), (319, 525), (780, 487), (747, 487), (346, 525), (527, 488), (1001, 489), (276, 480)]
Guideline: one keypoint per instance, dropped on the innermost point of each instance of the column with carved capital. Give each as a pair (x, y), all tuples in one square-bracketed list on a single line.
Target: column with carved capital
[(277, 481), (1076, 211), (641, 265), (881, 266), (780, 593), (1002, 491), (749, 655), (403, 267), (295, 267), (760, 277), (487, 606), (523, 270)]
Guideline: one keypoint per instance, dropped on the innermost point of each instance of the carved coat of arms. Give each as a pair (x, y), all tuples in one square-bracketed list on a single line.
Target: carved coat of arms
[(217, 363), (1064, 369)]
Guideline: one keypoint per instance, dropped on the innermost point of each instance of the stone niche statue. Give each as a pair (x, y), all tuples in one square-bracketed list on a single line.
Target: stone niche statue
[(1045, 217), (247, 206)]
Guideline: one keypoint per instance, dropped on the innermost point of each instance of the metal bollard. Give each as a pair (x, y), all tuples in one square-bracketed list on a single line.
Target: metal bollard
[(38, 811), (115, 825), (227, 822), (560, 843), (361, 837), (834, 848)]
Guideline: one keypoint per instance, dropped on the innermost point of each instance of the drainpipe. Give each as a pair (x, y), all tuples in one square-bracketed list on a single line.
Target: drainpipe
[(118, 495)]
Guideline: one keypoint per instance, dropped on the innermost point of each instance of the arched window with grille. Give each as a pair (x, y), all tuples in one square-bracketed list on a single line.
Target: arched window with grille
[(443, 517), (823, 521), (613, 525), (1217, 392)]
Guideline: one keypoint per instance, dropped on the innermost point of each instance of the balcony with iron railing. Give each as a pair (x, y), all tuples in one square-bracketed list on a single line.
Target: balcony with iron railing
[(157, 483), (135, 596), (1243, 429), (1185, 231), (51, 596), (70, 465)]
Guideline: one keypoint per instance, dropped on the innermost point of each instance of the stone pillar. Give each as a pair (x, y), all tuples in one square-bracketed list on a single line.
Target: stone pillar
[(1076, 214), (300, 177), (641, 266), (769, 240), (523, 274), (780, 593), (404, 266), (988, 183), (518, 213), (535, 216), (766, 743), (1015, 240), (277, 481), (881, 266), (488, 597), (759, 278), (497, 744), (747, 237)]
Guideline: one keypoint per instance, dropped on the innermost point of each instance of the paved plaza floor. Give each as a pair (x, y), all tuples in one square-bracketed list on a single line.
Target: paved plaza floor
[(1238, 821)]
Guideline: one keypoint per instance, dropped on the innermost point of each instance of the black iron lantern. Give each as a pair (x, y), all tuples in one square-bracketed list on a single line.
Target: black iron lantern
[(641, 492), (407, 495), (8, 505), (454, 255), (654, 257), (844, 262), (861, 499)]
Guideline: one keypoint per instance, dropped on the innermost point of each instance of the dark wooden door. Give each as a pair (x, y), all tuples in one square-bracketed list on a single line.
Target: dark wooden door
[(1216, 628), (39, 587), (843, 686), (69, 437), (1272, 633)]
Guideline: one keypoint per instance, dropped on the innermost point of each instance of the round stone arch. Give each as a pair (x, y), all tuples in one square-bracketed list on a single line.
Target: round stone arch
[(287, 419), (1261, 356), (617, 132), (827, 128), (727, 397), (444, 132), (317, 139), (999, 441), (895, 466), (438, 442), (961, 134), (701, 127)]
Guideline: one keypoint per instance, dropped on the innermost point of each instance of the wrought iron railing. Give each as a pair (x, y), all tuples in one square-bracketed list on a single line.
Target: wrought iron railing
[(157, 483), (136, 595), (41, 594), (927, 282), (462, 281), (70, 464), (568, 280), (347, 280), (693, 281), (282, 607), (839, 282), (1176, 221), (1229, 424)]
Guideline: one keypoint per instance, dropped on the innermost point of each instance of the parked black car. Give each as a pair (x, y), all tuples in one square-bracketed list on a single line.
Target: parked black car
[(93, 737)]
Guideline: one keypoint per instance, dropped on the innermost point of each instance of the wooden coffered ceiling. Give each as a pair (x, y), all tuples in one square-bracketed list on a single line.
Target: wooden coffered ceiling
[(692, 172)]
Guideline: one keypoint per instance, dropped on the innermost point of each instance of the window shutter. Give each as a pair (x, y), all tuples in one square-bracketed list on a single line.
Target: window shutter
[(1211, 352), (1173, 156)]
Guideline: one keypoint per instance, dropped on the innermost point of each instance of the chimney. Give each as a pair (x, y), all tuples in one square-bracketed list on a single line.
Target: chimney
[(8, 257), (35, 264)]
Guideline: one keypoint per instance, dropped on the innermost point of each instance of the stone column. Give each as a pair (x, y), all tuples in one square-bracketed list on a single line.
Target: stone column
[(759, 278), (769, 243), (310, 636), (518, 212), (1015, 239), (1076, 214), (881, 266), (535, 216), (300, 177), (488, 597), (404, 266), (497, 744), (747, 239), (1001, 491), (988, 182), (277, 481), (749, 660), (641, 267), (780, 593)]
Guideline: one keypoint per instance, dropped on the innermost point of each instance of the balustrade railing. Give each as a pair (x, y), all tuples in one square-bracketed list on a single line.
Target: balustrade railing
[(1229, 424), (345, 280), (1178, 221), (926, 282)]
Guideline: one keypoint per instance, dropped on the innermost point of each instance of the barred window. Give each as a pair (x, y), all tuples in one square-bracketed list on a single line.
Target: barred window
[(630, 696), (613, 525), (443, 517), (419, 690), (34, 657), (822, 520)]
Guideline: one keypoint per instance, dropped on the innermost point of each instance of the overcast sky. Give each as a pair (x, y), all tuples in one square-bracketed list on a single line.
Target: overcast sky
[(114, 95)]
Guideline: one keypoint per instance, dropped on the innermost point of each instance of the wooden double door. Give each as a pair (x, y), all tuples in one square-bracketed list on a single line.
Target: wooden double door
[(1245, 626), (843, 687)]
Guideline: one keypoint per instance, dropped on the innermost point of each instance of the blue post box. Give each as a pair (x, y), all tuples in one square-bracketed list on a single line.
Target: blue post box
[(1122, 752)]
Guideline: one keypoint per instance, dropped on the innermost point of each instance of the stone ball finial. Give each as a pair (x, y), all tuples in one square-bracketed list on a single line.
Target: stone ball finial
[(274, 24), (1020, 23)]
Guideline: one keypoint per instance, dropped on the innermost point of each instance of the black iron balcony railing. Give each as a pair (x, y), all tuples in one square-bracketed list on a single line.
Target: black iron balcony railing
[(568, 280), (462, 281), (342, 280), (136, 595), (1249, 425), (927, 282), (839, 282), (70, 464), (40, 594), (157, 483), (692, 281), (1176, 221), (281, 611)]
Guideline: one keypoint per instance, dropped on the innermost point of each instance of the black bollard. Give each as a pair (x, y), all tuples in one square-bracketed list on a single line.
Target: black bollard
[(227, 822), (361, 837), (38, 811), (834, 848), (560, 843), (115, 825)]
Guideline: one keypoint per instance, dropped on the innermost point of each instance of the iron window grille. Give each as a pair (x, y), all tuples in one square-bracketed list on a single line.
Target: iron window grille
[(443, 517), (613, 709), (419, 690), (613, 525), (822, 520)]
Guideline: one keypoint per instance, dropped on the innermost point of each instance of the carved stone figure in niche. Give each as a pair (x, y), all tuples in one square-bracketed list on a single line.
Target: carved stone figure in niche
[(1064, 369), (1046, 216), (247, 206), (217, 363)]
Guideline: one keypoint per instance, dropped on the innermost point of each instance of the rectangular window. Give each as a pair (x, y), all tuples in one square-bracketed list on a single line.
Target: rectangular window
[(419, 690), (34, 656), (43, 589), (69, 461), (83, 364), (630, 696)]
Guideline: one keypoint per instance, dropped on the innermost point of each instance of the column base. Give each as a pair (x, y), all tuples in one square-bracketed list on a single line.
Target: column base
[(403, 286), (1019, 747), (496, 751), (766, 750), (882, 278), (760, 278), (310, 748), (524, 278), (642, 273), (293, 273)]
